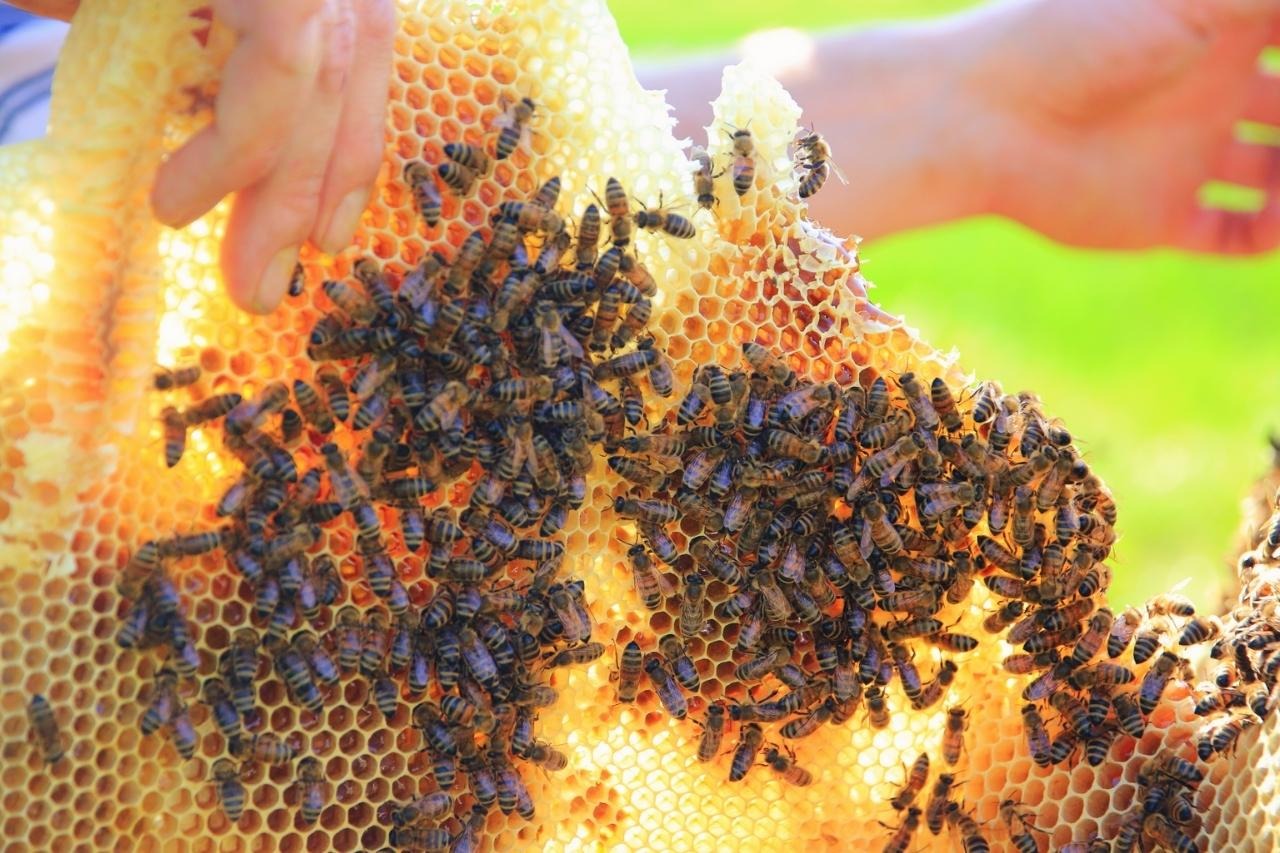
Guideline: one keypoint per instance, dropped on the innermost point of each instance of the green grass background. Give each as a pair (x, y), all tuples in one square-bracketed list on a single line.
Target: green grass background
[(1163, 365)]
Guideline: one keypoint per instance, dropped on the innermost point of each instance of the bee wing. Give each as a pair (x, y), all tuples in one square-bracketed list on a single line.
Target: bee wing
[(892, 473), (503, 119), (1180, 585), (573, 344), (836, 171)]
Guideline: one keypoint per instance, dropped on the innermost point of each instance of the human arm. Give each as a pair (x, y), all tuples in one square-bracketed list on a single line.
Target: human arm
[(296, 134), (1091, 121)]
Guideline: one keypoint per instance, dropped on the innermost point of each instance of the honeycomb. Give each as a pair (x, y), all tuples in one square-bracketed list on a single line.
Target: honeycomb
[(95, 295)]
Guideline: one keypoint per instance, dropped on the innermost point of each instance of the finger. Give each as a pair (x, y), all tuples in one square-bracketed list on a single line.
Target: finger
[(1250, 165), (272, 218), (1230, 232), (357, 152), (262, 92), (1262, 99)]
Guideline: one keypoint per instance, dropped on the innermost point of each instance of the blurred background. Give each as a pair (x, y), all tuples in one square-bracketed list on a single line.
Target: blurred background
[(1162, 364)]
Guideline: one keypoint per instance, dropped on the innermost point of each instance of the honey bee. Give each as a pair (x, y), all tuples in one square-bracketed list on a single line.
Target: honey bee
[(907, 629), (1163, 831), (691, 606), (477, 658), (750, 740), (629, 671), (456, 177), (1127, 712), (784, 443), (175, 435), (577, 655), (250, 415), (225, 714), (311, 785), (902, 835), (757, 667), (1122, 631), (386, 694), (658, 219), (211, 408), (1222, 738), (1155, 681), (1172, 766), (916, 777), (183, 731), (430, 838), (512, 124), (45, 728), (935, 811), (784, 764), (230, 789), (296, 673), (432, 806), (814, 157), (162, 706), (1199, 630), (546, 756), (566, 600), (805, 725), (347, 631), (682, 665), (468, 155), (425, 194), (953, 735), (1019, 828), (335, 392), (933, 690), (426, 718), (970, 832), (744, 163), (704, 188), (1037, 737), (666, 687), (883, 534), (1171, 603), (172, 378), (588, 240), (712, 733), (1008, 613), (1098, 742), (513, 796)]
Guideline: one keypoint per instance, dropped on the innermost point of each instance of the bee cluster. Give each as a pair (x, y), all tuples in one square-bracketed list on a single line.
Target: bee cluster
[(488, 379), (1241, 693), (1165, 817), (830, 530)]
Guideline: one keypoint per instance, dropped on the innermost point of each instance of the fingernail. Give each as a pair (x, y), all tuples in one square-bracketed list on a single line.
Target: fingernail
[(343, 223), (274, 281)]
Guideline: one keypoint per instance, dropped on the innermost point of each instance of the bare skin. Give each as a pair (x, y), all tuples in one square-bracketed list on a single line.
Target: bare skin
[(1095, 122), (325, 61)]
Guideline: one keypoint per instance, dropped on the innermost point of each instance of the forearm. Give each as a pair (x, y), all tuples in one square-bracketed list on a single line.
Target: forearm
[(899, 107)]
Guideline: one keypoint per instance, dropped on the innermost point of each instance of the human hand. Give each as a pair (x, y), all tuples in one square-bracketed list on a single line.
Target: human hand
[(296, 134), (1112, 116)]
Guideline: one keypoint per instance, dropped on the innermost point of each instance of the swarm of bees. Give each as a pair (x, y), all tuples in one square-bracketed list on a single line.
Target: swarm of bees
[(840, 532), (497, 371)]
